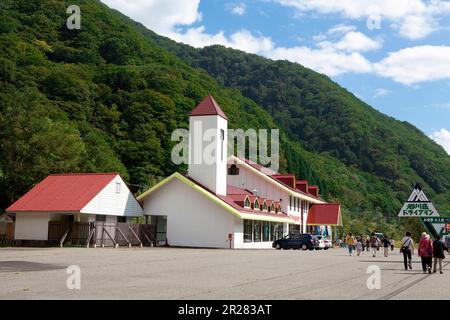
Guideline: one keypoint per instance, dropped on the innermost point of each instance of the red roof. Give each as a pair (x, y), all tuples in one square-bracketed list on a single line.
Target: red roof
[(275, 176), (63, 192), (230, 200), (208, 107), (325, 214)]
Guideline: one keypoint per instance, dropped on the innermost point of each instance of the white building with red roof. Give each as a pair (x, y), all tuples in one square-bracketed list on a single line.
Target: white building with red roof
[(231, 202), (80, 198)]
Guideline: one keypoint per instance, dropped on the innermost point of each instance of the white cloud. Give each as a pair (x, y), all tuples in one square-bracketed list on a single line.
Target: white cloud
[(443, 138), (380, 92), (328, 61), (238, 9), (416, 64), (159, 16), (415, 18), (353, 41), (242, 40)]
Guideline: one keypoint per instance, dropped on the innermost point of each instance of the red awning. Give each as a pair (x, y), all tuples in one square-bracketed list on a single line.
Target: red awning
[(327, 214)]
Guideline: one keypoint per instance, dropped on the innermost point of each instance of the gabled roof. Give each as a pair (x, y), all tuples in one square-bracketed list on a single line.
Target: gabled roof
[(63, 193), (208, 107), (325, 214), (269, 174)]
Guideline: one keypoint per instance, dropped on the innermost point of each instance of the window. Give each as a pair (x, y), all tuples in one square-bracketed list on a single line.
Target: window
[(256, 205), (257, 231), (272, 208), (264, 206), (121, 219), (276, 231), (222, 139), (266, 231), (118, 186), (247, 203), (290, 202), (100, 218), (233, 170), (248, 228)]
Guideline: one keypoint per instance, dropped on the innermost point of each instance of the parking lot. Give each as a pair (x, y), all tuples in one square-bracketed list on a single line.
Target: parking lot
[(174, 273)]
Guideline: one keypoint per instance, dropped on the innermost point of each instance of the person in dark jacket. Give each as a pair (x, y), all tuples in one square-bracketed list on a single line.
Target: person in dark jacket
[(386, 244), (438, 253)]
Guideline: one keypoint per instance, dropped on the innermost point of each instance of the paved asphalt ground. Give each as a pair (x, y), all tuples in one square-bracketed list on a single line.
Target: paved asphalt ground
[(172, 273)]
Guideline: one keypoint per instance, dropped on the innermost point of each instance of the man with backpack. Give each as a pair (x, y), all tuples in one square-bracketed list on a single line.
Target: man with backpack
[(407, 249), (374, 244)]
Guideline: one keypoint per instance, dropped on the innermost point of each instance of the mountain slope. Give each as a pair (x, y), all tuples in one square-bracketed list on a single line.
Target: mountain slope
[(328, 119), (107, 98), (102, 98)]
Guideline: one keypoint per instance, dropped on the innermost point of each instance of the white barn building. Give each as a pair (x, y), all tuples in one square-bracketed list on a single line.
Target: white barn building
[(231, 202), (84, 198)]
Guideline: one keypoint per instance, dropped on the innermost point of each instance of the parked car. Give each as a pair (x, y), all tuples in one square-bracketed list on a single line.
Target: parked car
[(328, 243), (319, 242), (302, 241)]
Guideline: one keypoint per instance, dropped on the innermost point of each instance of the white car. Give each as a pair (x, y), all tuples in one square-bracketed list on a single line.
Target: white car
[(319, 243)]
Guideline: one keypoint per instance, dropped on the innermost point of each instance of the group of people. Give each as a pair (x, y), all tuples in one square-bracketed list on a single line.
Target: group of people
[(368, 243), (428, 249)]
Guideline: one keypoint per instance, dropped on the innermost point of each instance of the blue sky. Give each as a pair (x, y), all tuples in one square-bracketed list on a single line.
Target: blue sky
[(394, 55)]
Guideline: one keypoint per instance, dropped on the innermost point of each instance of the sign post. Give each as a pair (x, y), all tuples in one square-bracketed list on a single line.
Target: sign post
[(418, 205)]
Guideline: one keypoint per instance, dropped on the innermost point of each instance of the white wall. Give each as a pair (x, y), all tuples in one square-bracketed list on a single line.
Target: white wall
[(109, 202), (211, 175), (192, 219), (31, 226)]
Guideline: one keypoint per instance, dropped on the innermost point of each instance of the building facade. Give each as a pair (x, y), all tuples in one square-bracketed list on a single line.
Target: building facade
[(231, 202)]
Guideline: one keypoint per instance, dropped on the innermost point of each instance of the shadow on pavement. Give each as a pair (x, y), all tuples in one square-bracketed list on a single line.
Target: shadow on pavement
[(27, 266)]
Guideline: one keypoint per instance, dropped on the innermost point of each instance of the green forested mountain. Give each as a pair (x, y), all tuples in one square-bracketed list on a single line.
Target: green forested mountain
[(107, 98)]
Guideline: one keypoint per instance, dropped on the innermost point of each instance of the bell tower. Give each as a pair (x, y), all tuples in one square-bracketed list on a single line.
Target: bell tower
[(208, 127)]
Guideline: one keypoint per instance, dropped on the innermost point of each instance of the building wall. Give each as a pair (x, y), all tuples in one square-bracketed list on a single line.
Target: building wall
[(31, 226), (192, 219), (111, 203), (251, 181)]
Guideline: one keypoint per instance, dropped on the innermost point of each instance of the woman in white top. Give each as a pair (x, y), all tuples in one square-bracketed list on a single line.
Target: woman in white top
[(407, 248)]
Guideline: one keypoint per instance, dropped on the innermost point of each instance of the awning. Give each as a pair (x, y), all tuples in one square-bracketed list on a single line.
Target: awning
[(327, 214)]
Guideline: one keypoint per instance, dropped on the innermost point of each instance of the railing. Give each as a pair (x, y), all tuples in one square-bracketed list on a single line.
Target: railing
[(101, 234)]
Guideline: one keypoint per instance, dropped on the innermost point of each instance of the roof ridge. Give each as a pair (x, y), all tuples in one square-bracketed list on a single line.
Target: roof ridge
[(208, 107)]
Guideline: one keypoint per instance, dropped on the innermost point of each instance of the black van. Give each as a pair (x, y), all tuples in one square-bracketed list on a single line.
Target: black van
[(302, 241)]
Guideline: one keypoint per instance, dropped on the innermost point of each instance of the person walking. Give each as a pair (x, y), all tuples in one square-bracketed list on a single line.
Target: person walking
[(386, 244), (426, 252), (438, 253), (407, 249), (351, 241), (374, 244), (367, 243), (392, 244), (359, 247)]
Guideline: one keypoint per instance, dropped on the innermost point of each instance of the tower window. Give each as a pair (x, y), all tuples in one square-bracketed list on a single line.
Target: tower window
[(118, 186), (222, 139), (233, 170)]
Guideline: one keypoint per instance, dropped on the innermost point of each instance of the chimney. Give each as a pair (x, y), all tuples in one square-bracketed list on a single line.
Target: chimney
[(314, 190), (302, 185)]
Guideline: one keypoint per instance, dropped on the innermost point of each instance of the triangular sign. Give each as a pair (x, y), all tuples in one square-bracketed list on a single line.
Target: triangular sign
[(418, 205), (417, 195)]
